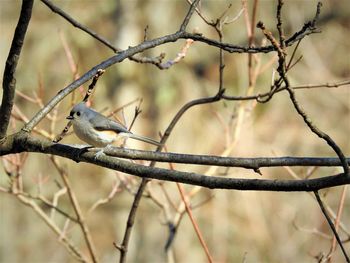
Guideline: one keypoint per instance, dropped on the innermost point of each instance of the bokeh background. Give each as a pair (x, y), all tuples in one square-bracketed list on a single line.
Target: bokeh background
[(237, 226)]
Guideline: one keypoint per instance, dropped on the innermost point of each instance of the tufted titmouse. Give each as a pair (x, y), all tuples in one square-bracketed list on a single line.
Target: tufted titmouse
[(97, 130)]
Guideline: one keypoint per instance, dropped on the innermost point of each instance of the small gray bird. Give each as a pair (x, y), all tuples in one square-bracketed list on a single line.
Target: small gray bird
[(97, 130)]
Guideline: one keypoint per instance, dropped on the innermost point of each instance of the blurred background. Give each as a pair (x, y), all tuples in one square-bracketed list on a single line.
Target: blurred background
[(237, 226)]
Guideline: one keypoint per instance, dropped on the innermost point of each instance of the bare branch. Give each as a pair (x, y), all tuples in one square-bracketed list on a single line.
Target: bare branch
[(248, 163), (71, 20), (329, 220), (9, 81), (30, 144), (78, 212), (188, 16), (280, 48)]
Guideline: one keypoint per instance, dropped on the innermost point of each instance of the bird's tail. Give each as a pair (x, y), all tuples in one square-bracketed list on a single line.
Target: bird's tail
[(143, 139)]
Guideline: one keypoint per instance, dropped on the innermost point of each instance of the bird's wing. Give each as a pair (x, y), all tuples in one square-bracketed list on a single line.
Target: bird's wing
[(103, 123)]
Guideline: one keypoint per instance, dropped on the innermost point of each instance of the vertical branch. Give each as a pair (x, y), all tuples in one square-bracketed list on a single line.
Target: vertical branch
[(251, 37), (9, 81), (123, 248), (279, 24), (329, 220)]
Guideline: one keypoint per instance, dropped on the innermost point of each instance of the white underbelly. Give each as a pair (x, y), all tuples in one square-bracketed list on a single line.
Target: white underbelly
[(94, 138)]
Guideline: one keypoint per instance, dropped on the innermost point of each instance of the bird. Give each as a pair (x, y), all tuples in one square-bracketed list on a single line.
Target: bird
[(99, 131)]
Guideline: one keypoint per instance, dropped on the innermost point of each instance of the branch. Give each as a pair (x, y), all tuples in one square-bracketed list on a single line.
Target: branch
[(248, 163), (147, 45), (92, 72), (329, 220), (157, 61), (76, 206), (24, 142), (258, 97), (137, 199), (188, 16), (280, 48), (73, 250), (9, 81), (75, 23)]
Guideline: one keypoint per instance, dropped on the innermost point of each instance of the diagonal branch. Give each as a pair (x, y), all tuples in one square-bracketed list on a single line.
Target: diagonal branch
[(142, 186), (147, 45), (71, 20), (188, 15), (329, 220), (9, 81), (92, 72), (76, 206)]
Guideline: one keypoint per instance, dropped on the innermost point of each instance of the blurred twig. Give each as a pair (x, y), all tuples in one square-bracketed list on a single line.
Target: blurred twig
[(77, 210), (329, 220), (185, 201), (337, 222)]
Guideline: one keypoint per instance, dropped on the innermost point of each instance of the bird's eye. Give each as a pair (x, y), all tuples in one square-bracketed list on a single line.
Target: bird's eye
[(78, 113)]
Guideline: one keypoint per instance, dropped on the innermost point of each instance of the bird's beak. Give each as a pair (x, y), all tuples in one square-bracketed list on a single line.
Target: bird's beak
[(70, 117)]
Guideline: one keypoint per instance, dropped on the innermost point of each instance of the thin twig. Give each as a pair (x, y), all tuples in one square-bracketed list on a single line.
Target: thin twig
[(329, 220), (157, 61), (65, 130), (188, 15), (337, 221), (194, 223), (71, 20), (78, 212), (184, 198)]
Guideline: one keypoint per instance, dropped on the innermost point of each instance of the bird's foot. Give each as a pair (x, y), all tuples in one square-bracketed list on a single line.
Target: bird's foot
[(101, 153), (81, 151)]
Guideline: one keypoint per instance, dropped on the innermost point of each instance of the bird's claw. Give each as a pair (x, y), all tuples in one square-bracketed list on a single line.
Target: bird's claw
[(81, 151), (99, 154)]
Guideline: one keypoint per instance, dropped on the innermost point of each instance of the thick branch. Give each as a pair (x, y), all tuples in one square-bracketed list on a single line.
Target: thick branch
[(9, 81), (25, 142), (249, 163)]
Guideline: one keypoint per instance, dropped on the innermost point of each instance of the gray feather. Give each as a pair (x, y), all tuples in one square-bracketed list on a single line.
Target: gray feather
[(97, 120), (102, 123)]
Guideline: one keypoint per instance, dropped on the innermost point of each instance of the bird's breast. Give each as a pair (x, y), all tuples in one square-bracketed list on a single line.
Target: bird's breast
[(94, 137)]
